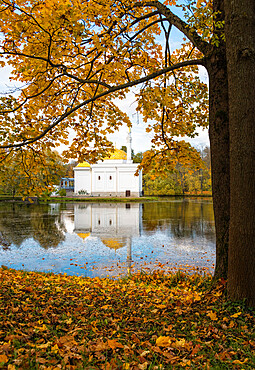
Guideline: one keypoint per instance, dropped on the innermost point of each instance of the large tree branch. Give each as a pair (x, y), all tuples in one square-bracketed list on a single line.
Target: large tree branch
[(182, 26), (105, 93)]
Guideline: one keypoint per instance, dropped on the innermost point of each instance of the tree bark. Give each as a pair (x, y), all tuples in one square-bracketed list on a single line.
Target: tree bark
[(219, 143), (240, 45)]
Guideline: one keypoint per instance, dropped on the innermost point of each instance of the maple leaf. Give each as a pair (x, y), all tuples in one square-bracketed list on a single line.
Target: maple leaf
[(3, 358), (55, 349), (163, 341), (113, 344), (212, 315)]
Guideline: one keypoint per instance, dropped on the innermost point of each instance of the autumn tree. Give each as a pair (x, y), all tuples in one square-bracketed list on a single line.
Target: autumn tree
[(179, 180), (69, 172), (73, 59), (28, 172), (138, 157)]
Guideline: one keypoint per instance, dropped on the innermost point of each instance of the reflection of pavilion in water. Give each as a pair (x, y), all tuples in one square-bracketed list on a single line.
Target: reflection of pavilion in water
[(114, 224)]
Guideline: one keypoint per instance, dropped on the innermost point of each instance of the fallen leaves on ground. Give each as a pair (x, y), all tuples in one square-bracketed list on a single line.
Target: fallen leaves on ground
[(144, 321)]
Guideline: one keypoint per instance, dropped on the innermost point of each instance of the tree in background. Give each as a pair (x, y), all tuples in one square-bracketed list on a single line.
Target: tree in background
[(181, 180), (124, 148), (138, 157), (27, 172), (69, 172)]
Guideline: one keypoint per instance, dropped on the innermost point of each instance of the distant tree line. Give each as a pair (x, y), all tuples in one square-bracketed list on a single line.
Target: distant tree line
[(181, 180)]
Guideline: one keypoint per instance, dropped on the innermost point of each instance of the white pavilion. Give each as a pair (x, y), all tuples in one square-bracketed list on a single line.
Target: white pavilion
[(112, 177)]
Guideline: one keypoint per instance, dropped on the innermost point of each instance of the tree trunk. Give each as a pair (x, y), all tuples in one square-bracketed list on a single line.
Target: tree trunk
[(240, 45), (219, 143)]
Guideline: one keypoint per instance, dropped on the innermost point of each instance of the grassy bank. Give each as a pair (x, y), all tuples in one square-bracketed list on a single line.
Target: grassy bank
[(118, 199), (155, 321), (98, 199), (59, 199)]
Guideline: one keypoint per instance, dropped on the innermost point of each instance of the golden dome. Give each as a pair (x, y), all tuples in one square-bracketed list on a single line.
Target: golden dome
[(83, 164), (117, 154), (83, 235), (113, 243)]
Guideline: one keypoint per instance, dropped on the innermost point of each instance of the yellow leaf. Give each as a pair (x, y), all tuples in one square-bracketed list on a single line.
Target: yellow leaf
[(240, 362), (143, 366), (212, 315), (113, 344), (185, 363), (55, 349), (161, 306), (44, 345), (41, 328), (11, 367), (163, 341), (69, 321), (180, 343), (232, 324), (3, 358), (236, 314)]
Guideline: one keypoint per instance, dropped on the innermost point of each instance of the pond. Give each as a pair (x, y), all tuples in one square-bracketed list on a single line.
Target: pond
[(108, 239)]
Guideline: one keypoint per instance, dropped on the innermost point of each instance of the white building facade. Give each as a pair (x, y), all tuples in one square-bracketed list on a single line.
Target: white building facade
[(115, 176)]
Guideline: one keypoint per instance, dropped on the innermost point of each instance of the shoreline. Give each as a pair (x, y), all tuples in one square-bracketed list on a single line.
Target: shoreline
[(93, 199)]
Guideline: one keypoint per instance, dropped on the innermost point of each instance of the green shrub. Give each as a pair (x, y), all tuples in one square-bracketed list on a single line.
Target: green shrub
[(62, 192)]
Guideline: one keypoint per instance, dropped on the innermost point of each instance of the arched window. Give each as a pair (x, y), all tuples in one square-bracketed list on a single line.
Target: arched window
[(99, 177)]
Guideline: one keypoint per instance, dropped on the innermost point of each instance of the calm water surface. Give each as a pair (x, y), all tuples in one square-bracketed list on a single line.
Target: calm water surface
[(99, 239)]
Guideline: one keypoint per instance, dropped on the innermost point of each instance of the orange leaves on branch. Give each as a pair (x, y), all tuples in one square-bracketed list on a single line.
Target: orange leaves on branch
[(31, 172), (170, 2), (66, 54)]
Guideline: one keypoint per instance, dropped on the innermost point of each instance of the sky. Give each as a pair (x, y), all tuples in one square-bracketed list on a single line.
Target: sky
[(141, 140)]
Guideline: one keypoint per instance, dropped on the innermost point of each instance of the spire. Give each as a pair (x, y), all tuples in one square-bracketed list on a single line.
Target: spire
[(129, 141)]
